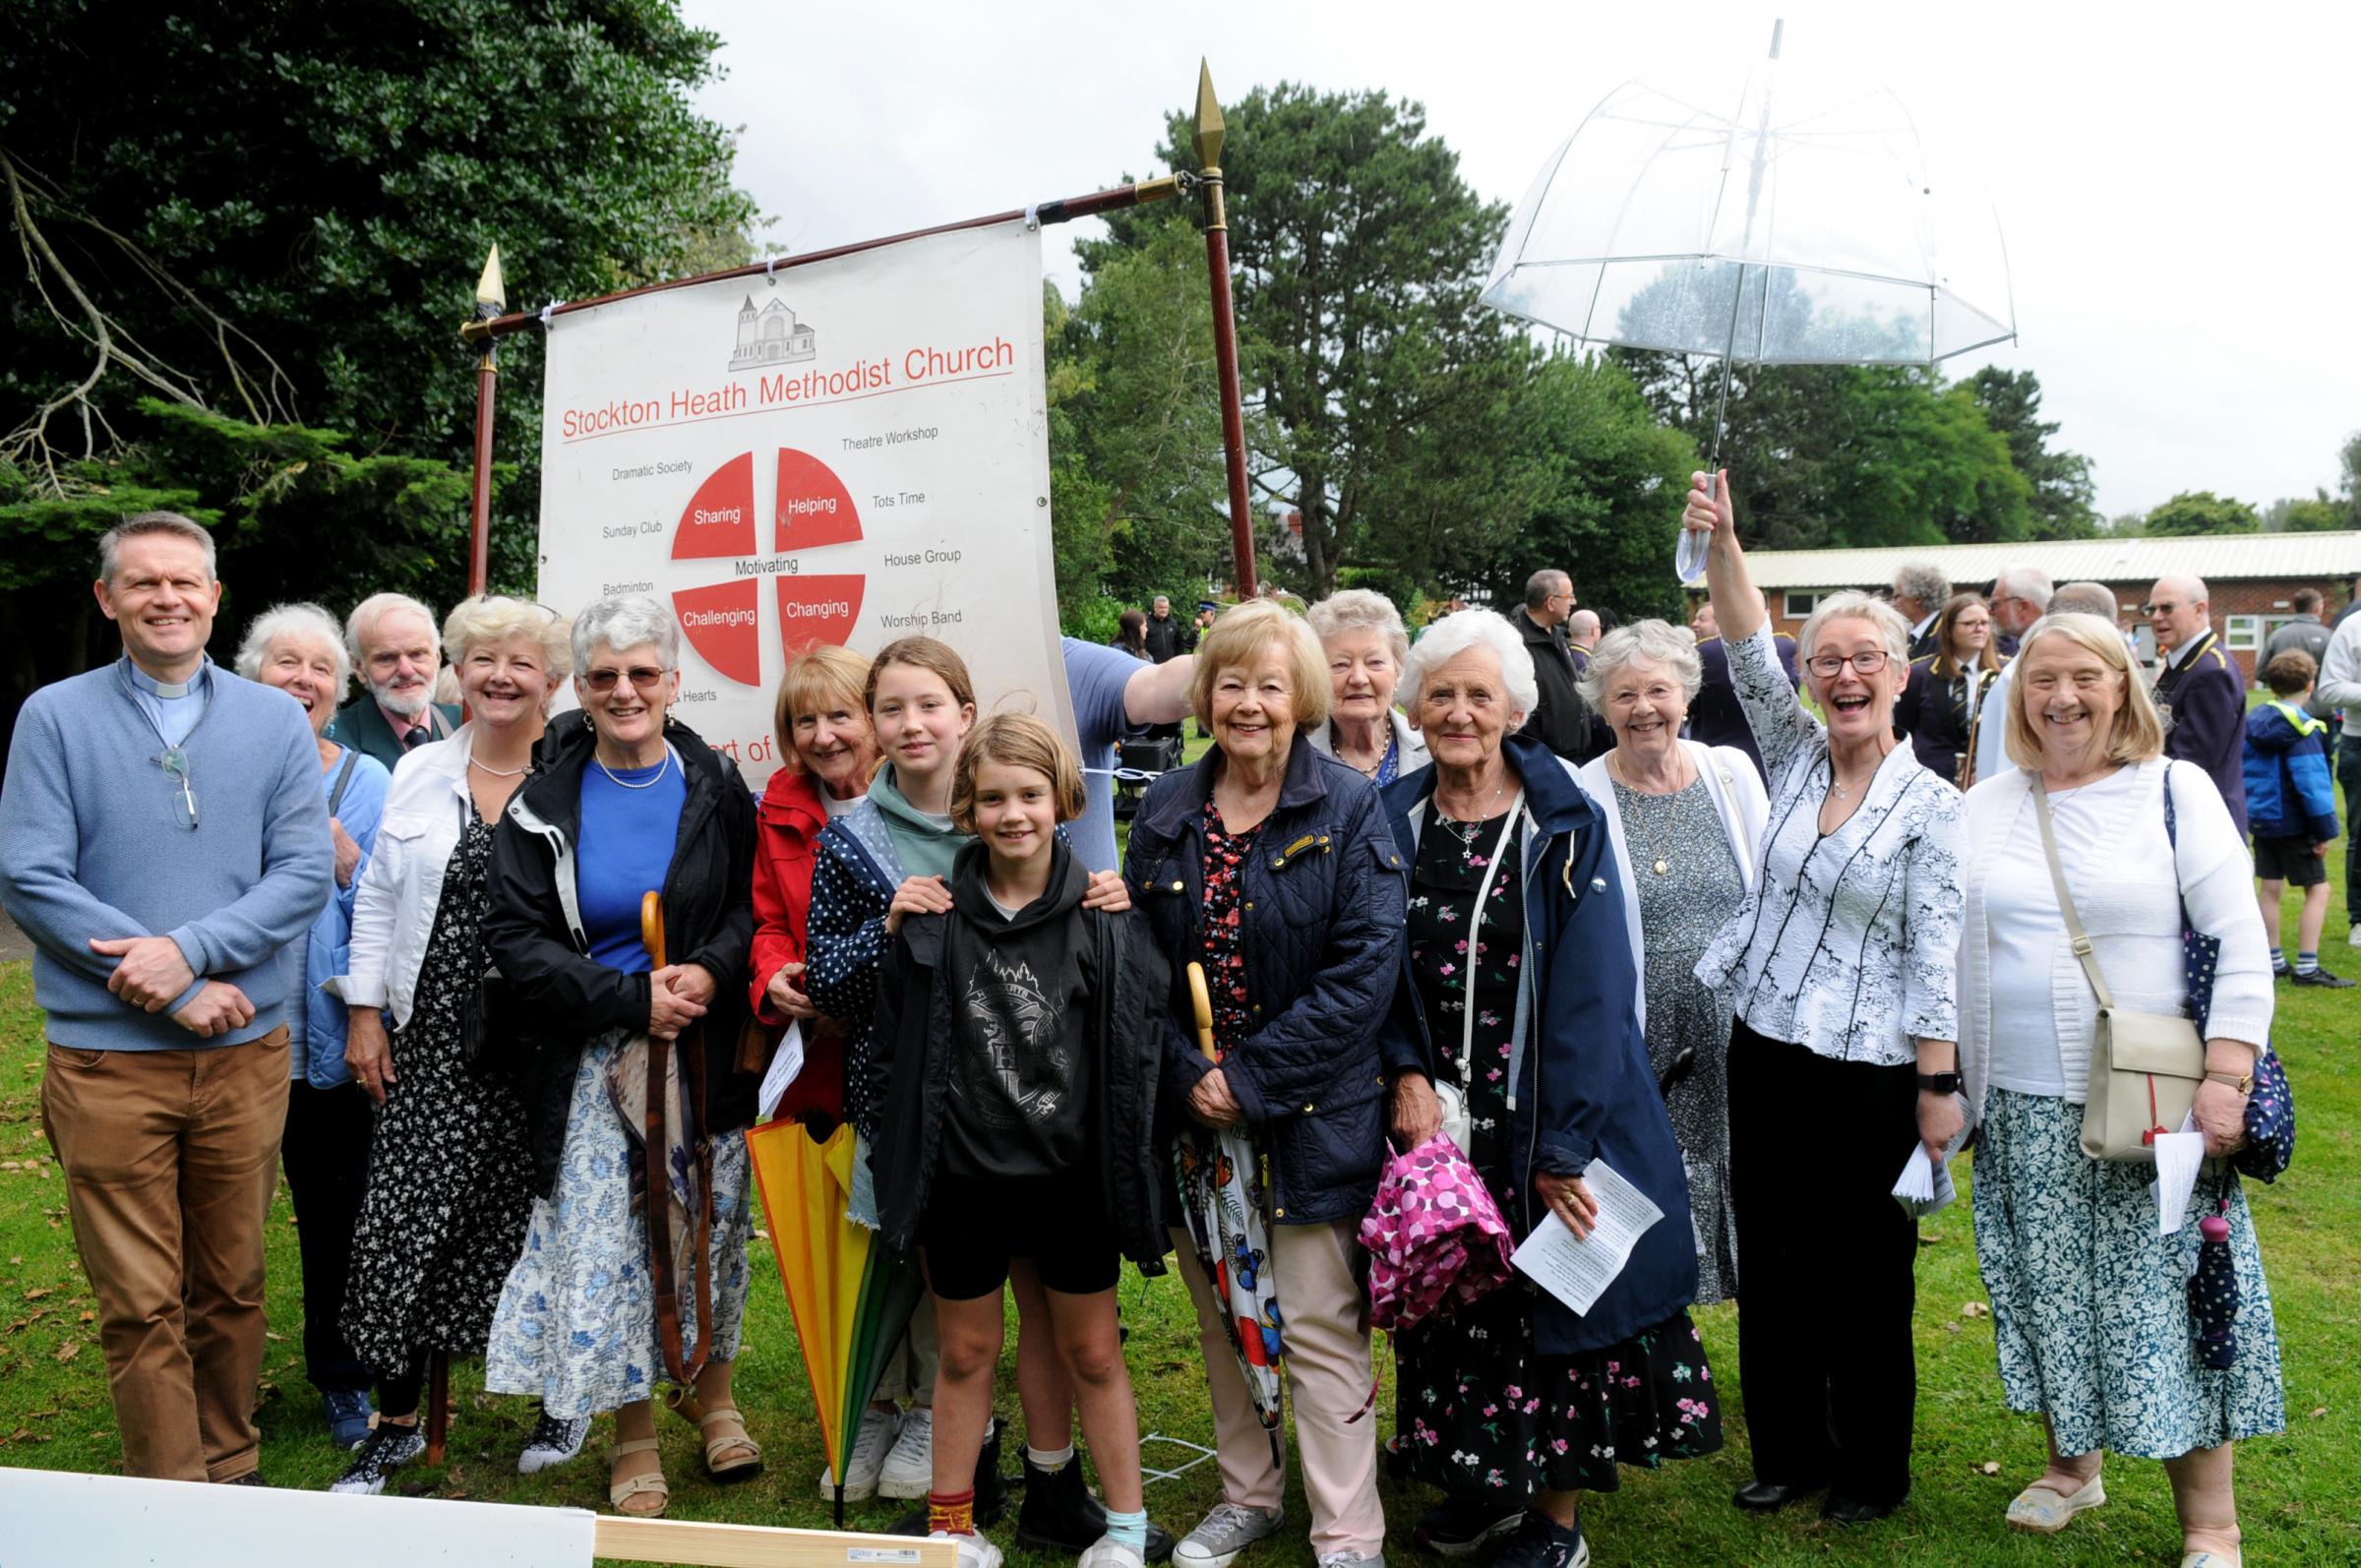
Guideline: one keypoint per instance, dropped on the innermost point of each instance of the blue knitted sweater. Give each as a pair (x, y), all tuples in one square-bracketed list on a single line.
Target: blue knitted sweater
[(95, 843)]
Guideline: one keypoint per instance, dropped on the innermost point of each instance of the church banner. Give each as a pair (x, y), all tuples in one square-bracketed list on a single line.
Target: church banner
[(847, 452)]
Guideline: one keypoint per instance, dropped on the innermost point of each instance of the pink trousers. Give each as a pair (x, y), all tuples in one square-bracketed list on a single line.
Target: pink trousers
[(1329, 1382)]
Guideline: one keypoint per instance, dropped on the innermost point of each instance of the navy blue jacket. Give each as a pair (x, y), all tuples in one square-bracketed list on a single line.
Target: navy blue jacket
[(1322, 936), (2205, 700), (2289, 790), (1715, 716), (1583, 1090)]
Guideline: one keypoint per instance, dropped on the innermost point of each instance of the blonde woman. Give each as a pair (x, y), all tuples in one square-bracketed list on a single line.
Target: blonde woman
[(2090, 1305)]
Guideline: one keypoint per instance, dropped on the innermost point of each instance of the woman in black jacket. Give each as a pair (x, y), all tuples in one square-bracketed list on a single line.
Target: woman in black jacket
[(1272, 866), (1938, 709), (612, 1293)]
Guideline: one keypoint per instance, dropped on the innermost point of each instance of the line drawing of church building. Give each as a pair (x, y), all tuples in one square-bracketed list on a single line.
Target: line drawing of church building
[(770, 335)]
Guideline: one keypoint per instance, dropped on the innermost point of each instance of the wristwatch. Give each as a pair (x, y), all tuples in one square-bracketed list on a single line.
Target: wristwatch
[(2240, 1081), (1938, 1083)]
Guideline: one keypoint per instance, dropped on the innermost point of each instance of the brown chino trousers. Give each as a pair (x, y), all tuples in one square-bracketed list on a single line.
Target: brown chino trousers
[(170, 1160)]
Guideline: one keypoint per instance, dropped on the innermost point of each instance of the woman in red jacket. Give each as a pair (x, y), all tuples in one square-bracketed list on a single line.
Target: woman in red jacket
[(826, 751)]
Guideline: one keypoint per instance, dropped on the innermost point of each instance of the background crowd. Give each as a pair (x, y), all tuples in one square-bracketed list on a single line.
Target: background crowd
[(1551, 901)]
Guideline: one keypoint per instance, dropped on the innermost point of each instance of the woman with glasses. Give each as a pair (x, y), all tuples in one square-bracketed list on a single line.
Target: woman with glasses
[(449, 1173), (1840, 963), (1945, 696), (611, 1294)]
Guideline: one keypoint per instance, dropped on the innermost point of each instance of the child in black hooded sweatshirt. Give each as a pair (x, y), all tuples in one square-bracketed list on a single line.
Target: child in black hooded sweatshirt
[(1014, 1071)]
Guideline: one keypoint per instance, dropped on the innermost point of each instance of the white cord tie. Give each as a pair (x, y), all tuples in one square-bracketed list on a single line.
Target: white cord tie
[(549, 310), (1032, 216)]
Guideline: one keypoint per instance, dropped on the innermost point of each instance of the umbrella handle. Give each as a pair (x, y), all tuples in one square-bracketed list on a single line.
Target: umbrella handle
[(1202, 1001), (651, 927)]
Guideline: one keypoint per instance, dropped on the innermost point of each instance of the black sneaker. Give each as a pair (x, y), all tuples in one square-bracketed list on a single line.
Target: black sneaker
[(389, 1448), (2321, 977), (991, 1491), (1456, 1526), (552, 1442), (1540, 1541), (1060, 1513)]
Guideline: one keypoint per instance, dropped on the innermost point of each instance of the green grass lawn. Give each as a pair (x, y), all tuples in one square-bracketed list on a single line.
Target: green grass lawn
[(2297, 1491)]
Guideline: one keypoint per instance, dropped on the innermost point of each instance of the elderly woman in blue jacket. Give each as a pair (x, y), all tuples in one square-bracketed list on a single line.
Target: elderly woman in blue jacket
[(1517, 989), (1269, 865)]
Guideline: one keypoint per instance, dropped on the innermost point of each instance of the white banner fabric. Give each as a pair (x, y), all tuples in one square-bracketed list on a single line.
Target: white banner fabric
[(848, 451)]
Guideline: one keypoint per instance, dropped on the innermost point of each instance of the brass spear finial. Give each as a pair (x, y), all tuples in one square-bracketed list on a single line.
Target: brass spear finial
[(1209, 120), (491, 291)]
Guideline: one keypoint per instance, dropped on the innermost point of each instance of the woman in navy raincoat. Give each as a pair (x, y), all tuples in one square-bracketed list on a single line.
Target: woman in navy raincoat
[(1514, 1406)]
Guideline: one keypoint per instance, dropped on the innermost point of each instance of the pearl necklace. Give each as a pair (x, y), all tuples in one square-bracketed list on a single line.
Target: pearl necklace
[(496, 773)]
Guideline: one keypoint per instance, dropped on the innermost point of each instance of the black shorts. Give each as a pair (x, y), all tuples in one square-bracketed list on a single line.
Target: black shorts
[(972, 1229), (2289, 860)]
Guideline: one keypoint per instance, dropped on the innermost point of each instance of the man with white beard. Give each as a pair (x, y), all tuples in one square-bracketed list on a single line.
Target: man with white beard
[(397, 651)]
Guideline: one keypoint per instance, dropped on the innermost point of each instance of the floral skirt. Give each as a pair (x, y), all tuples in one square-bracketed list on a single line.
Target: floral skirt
[(2090, 1306), (576, 1320), (1482, 1416)]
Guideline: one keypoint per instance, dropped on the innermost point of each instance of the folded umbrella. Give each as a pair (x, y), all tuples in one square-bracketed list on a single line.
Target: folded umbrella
[(1435, 1239)]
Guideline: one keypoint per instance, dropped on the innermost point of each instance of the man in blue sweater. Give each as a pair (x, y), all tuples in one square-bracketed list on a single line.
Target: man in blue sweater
[(164, 842)]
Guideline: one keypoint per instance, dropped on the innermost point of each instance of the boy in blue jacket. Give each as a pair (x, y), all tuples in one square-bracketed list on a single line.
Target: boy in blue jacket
[(2291, 807)]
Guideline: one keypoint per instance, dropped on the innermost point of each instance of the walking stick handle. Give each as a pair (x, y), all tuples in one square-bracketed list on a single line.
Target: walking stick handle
[(651, 926), (1203, 1000)]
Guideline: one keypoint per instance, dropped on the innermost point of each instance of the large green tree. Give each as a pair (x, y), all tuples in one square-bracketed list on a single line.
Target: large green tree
[(1359, 251), (2202, 512), (2061, 502), (1138, 491), (276, 213)]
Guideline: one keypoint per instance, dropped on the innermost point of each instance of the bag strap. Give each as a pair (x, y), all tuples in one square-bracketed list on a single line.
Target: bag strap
[(335, 797), (2074, 922), (1484, 892)]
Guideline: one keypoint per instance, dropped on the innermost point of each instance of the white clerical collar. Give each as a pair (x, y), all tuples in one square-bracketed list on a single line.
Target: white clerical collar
[(167, 690)]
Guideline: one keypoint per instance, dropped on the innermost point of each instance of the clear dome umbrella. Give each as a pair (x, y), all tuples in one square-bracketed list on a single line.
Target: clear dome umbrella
[(1769, 215)]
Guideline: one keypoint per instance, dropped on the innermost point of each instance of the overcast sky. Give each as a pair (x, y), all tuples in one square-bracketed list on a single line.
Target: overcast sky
[(2175, 185)]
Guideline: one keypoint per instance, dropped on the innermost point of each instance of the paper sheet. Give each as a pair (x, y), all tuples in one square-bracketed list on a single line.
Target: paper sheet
[(786, 1064), (2179, 1156), (1576, 1272), (1924, 1187)]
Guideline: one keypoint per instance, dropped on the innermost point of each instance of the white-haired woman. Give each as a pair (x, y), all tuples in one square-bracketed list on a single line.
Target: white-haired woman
[(298, 648), (1517, 988), (1685, 820), (448, 1174), (1362, 634), (2090, 1310), (609, 1296), (1841, 965)]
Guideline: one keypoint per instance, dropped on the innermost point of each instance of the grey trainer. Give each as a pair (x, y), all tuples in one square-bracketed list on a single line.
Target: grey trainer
[(1224, 1532)]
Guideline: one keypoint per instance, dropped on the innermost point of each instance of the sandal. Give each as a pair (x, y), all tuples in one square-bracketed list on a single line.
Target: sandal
[(647, 1484), (743, 1469), (2044, 1510)]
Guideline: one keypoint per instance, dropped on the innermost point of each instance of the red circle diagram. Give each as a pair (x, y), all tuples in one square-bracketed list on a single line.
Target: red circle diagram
[(812, 510)]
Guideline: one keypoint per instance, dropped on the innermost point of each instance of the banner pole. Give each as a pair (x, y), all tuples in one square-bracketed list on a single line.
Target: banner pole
[(1225, 332), (490, 299)]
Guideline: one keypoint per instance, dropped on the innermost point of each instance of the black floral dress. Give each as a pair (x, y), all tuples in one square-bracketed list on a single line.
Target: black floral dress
[(1479, 1412), (1225, 953), (450, 1173)]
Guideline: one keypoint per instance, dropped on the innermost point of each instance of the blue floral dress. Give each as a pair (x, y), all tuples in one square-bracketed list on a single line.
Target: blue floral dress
[(576, 1320), (1479, 1413)]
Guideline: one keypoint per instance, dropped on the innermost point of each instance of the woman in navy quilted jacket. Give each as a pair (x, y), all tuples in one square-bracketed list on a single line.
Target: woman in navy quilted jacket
[(1271, 866)]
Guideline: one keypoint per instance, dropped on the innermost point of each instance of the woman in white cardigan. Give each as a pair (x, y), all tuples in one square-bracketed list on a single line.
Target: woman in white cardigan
[(2090, 1305), (1684, 822), (1841, 965)]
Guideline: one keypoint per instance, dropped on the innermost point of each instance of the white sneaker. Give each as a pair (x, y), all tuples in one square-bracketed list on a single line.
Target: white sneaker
[(1109, 1553), (2352, 939), (1224, 1532), (879, 1427), (909, 1470), (974, 1551)]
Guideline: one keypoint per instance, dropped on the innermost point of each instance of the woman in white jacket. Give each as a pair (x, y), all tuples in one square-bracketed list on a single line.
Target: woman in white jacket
[(1685, 819), (450, 1174), (2090, 1305)]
